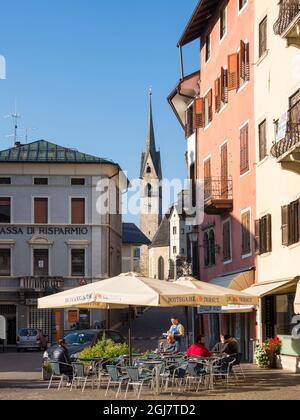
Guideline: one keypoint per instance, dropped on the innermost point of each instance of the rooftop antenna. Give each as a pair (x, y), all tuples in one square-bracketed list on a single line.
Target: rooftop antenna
[(15, 117), (26, 133)]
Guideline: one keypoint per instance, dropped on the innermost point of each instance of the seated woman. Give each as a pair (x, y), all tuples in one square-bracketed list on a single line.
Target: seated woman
[(198, 349)]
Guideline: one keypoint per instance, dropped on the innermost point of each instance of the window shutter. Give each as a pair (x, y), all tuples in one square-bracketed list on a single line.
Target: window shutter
[(224, 85), (242, 63), (257, 237), (247, 62), (217, 95), (199, 113), (269, 233), (41, 211), (244, 149), (285, 225), (78, 211), (210, 105), (233, 71)]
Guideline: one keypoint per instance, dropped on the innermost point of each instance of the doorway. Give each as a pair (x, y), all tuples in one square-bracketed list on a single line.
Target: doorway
[(10, 314)]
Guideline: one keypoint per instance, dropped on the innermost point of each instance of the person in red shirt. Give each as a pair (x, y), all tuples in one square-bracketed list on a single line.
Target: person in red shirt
[(198, 349)]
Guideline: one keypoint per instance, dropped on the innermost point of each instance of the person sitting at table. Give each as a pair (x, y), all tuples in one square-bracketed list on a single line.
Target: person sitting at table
[(198, 349), (228, 345), (170, 345)]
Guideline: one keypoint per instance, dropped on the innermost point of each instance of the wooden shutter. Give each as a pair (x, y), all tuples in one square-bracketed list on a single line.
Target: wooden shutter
[(233, 71), (244, 149), (242, 62), (263, 140), (257, 237), (210, 105), (207, 179), (217, 95), (263, 37), (247, 62), (41, 211), (285, 225), (78, 211), (199, 113), (224, 172), (269, 233), (246, 234), (226, 241), (224, 85)]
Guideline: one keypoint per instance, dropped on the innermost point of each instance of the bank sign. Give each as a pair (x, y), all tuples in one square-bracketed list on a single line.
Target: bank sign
[(44, 230)]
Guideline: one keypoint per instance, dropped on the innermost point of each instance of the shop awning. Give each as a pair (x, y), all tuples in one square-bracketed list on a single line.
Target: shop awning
[(297, 300), (237, 281), (272, 288)]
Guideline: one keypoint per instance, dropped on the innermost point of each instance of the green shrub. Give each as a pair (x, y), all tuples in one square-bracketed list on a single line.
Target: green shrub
[(105, 349)]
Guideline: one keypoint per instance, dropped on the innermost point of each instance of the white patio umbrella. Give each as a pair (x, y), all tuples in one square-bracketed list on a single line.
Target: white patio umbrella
[(233, 297), (128, 290)]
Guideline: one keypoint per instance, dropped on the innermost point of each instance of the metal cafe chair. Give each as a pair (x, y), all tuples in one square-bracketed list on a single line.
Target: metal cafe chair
[(115, 378), (57, 374), (222, 369), (238, 366), (80, 376), (138, 380)]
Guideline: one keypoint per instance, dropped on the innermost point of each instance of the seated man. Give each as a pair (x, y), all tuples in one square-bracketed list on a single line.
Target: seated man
[(228, 345), (170, 346), (198, 349)]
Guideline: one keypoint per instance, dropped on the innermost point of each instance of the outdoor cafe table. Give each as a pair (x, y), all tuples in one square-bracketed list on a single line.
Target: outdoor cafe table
[(210, 363)]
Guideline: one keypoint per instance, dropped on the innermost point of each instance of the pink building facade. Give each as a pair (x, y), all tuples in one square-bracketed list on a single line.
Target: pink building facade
[(219, 116)]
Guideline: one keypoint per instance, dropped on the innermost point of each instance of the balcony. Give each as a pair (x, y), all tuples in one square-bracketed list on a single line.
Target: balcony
[(287, 151), (218, 196), (288, 23), (41, 284)]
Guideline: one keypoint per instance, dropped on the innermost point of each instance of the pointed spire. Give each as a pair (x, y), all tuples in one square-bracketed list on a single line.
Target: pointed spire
[(151, 147)]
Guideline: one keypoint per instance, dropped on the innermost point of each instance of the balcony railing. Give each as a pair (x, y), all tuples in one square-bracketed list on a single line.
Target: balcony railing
[(291, 140), (218, 195), (41, 284), (289, 9)]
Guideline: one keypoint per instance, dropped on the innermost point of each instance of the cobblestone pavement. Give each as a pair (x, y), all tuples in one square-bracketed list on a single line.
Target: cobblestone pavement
[(20, 379)]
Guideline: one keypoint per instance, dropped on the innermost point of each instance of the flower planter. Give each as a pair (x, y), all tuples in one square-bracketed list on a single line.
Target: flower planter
[(46, 373), (273, 360)]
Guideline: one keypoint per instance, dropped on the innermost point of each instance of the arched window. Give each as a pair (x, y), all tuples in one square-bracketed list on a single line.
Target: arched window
[(212, 247), (149, 191), (148, 171), (172, 270), (161, 269)]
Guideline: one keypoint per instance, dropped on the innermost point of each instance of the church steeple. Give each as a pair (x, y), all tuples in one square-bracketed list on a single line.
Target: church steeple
[(151, 151)]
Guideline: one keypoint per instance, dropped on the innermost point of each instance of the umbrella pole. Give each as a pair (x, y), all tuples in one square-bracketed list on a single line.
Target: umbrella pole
[(130, 335)]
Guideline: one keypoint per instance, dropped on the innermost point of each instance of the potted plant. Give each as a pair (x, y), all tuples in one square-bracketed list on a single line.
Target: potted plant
[(266, 354)]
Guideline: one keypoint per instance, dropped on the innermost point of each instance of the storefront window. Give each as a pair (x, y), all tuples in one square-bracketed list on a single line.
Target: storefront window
[(284, 314)]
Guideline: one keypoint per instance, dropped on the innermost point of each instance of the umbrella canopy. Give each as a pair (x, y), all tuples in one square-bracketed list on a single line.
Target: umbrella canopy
[(233, 297), (132, 290)]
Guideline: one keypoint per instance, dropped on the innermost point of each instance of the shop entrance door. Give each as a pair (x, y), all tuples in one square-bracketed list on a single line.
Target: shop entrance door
[(10, 314)]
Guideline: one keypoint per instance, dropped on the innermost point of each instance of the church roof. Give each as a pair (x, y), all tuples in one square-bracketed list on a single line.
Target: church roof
[(151, 147), (133, 235), (162, 237), (42, 151)]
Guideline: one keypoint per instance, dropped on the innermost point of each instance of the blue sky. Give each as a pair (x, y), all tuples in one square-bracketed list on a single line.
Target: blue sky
[(80, 72)]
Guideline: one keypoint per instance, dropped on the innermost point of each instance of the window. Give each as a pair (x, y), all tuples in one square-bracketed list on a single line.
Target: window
[(291, 223), (223, 87), (174, 230), (5, 266), (244, 149), (77, 262), (262, 130), (5, 210), (193, 184), (161, 269), (263, 235), (41, 211), (209, 248), (242, 4), (174, 250), (207, 180), (78, 211), (41, 262), (199, 112), (246, 233), (78, 181), (263, 36), (5, 181), (182, 231), (227, 241), (40, 181), (223, 23), (149, 191), (148, 170), (294, 110), (182, 250), (208, 48), (189, 129)]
